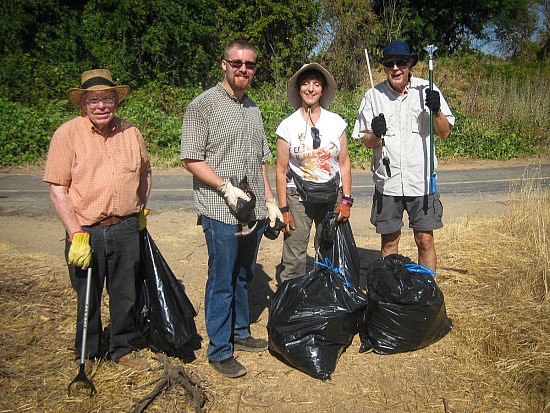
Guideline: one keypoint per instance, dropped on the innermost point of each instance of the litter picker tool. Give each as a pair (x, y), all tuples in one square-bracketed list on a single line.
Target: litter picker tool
[(81, 376), (431, 49), (385, 158)]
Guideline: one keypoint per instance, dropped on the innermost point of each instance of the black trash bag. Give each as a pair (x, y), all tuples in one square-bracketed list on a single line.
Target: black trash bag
[(273, 232), (406, 309), (165, 315), (243, 211), (312, 320), (336, 243)]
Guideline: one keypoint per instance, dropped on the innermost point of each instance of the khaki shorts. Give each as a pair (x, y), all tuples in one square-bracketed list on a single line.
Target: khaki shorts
[(425, 212)]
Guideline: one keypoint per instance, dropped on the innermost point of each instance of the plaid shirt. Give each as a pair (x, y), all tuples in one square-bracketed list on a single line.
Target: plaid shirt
[(104, 175), (229, 136)]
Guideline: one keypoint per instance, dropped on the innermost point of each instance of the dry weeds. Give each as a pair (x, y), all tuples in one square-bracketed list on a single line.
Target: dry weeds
[(495, 359)]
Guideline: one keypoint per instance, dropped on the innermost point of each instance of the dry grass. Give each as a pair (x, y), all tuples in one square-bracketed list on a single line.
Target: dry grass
[(495, 359), (503, 303)]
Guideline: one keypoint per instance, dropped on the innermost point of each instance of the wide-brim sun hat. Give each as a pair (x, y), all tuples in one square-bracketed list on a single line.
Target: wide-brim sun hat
[(399, 48), (329, 90), (96, 79)]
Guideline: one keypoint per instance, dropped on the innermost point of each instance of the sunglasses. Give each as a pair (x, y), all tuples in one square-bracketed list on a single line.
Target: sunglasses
[(316, 138), (237, 64), (401, 63)]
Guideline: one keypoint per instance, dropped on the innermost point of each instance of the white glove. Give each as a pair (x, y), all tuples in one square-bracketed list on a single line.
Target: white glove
[(231, 194), (273, 212)]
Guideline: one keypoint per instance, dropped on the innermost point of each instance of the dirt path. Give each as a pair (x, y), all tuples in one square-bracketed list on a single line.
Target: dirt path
[(421, 381)]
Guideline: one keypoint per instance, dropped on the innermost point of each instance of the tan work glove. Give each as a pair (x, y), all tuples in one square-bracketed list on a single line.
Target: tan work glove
[(232, 194), (80, 252), (142, 218), (273, 212)]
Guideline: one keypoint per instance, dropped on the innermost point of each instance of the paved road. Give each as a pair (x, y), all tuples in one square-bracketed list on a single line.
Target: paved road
[(28, 195)]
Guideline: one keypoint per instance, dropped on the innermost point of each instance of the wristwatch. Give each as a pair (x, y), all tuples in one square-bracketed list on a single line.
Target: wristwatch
[(347, 197)]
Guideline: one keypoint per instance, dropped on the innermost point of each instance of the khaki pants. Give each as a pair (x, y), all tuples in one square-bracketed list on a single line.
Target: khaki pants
[(293, 262)]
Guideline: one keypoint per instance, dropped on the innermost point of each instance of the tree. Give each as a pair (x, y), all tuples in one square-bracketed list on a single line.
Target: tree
[(168, 41), (284, 32), (449, 24), (523, 32), (39, 45), (351, 26)]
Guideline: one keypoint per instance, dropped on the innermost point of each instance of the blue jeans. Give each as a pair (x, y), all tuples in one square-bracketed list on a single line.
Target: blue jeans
[(231, 265)]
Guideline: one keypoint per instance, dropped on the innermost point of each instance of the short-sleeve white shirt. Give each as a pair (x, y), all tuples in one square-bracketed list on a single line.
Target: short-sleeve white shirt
[(407, 139), (318, 165)]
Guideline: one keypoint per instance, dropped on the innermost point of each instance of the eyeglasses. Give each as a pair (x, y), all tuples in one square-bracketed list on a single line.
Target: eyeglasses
[(401, 63), (94, 101), (316, 138), (237, 64)]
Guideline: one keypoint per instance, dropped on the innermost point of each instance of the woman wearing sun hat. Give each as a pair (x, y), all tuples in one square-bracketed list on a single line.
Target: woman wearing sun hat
[(100, 177), (313, 165)]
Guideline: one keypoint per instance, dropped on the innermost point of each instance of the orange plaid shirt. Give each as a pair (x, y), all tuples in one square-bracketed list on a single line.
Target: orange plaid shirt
[(105, 176)]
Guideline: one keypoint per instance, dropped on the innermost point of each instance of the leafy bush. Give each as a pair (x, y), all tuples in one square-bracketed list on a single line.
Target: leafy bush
[(501, 112), (157, 111), (26, 132)]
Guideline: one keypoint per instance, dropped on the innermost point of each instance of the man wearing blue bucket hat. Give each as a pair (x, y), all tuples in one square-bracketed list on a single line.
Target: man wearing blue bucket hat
[(394, 120)]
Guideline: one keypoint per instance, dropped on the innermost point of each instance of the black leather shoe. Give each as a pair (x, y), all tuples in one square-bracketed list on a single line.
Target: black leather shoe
[(250, 344), (229, 367)]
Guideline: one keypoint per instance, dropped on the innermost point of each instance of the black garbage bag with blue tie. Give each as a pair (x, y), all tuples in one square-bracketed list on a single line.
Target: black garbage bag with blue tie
[(406, 309)]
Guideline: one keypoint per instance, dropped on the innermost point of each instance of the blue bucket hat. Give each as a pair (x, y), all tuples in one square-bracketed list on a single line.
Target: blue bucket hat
[(399, 48)]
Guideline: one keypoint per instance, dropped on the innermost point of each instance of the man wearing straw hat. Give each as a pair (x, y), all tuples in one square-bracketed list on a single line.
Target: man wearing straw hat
[(100, 177), (394, 120)]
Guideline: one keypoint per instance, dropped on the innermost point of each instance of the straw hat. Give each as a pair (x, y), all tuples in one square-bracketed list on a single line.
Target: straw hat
[(293, 91), (96, 79), (399, 48)]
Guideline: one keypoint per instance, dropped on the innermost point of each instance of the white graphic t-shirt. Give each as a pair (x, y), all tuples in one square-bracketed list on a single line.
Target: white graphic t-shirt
[(318, 165)]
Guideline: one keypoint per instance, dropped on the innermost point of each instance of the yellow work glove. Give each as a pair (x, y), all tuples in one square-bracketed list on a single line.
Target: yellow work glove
[(80, 253), (142, 218)]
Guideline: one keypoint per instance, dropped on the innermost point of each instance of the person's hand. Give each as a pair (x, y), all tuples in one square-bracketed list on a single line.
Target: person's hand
[(343, 212), (289, 223), (232, 194), (344, 209), (432, 100), (80, 252), (142, 218), (273, 212), (378, 125)]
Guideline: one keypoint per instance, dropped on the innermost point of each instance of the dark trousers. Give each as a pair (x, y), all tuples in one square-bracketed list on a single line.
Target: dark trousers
[(115, 259)]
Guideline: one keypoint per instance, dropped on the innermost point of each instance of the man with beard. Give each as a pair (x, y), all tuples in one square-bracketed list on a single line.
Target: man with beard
[(223, 137)]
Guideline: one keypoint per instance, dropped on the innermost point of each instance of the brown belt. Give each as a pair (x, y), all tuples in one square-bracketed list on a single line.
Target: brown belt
[(107, 222)]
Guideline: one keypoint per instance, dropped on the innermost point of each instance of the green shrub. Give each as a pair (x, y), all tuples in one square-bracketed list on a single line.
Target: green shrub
[(501, 111), (26, 131)]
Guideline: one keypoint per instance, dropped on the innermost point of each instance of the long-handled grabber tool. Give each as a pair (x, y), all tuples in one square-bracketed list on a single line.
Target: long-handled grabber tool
[(81, 376), (385, 157), (433, 178)]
